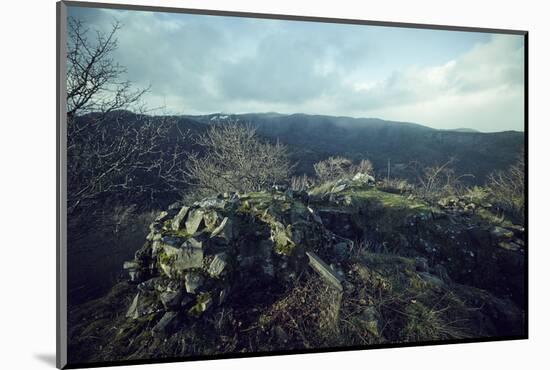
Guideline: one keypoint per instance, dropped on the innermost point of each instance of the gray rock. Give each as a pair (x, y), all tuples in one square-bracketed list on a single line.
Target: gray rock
[(211, 220), (171, 241), (218, 265), (189, 256), (224, 230), (325, 271), (161, 216), (133, 309), (204, 302), (193, 281), (192, 243), (213, 203), (171, 300), (194, 221), (135, 271), (166, 324), (142, 305), (131, 265), (153, 235), (136, 276), (179, 218)]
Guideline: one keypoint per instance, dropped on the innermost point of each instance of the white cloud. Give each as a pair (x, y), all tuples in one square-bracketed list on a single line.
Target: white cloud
[(482, 89), (203, 64)]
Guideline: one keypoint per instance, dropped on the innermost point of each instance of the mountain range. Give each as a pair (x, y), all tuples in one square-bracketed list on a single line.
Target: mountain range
[(315, 137)]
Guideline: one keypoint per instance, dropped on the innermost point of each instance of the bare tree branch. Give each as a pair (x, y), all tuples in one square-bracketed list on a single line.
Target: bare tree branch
[(234, 159)]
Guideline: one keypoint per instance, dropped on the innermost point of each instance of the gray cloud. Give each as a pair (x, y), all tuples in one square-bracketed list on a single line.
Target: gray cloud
[(204, 64)]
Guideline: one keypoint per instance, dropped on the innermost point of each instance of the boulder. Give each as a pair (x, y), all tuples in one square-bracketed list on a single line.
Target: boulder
[(218, 265), (224, 230), (193, 281), (179, 218), (174, 261), (194, 221), (211, 220)]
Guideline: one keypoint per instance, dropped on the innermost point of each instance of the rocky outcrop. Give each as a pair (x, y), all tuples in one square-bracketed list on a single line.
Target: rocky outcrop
[(195, 256), (459, 236), (278, 270)]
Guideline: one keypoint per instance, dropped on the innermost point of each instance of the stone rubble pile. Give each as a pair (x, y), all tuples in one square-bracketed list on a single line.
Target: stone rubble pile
[(195, 256)]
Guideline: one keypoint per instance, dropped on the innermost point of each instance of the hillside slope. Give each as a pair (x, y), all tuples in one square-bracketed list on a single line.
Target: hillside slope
[(277, 271), (315, 137)]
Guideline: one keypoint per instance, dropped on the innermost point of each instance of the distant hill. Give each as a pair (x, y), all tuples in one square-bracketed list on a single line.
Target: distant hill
[(315, 137), (462, 130)]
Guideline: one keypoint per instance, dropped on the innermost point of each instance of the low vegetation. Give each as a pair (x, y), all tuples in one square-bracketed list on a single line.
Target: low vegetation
[(226, 266)]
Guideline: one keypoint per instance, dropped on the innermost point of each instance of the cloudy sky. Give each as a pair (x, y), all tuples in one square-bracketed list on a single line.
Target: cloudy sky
[(199, 64)]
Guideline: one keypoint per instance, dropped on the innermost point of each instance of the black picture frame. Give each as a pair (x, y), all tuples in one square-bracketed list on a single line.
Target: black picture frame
[(61, 216)]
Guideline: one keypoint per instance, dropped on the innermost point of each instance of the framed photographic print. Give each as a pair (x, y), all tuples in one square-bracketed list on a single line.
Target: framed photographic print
[(235, 184)]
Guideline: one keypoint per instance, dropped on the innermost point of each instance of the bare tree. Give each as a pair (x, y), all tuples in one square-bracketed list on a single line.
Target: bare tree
[(94, 78), (110, 151), (332, 168), (126, 156), (233, 158)]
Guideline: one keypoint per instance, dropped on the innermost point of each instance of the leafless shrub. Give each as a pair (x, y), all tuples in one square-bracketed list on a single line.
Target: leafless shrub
[(364, 166), (303, 182), (508, 189), (397, 186), (439, 180), (233, 158), (334, 168)]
